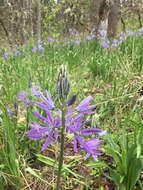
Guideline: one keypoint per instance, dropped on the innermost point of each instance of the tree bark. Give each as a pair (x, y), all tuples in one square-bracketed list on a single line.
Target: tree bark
[(31, 19), (39, 20), (113, 18), (22, 21)]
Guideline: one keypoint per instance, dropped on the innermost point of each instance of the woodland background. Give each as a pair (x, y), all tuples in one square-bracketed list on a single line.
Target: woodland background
[(21, 20)]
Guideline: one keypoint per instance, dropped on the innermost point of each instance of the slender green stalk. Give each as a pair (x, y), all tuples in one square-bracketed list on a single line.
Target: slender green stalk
[(61, 158)]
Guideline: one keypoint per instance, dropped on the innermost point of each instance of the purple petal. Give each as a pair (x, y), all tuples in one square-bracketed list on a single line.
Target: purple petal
[(35, 137), (84, 103), (35, 125), (41, 117), (48, 141), (56, 135), (86, 156), (57, 122), (89, 112), (36, 91), (50, 100), (41, 131), (22, 96), (95, 157), (40, 105), (49, 103), (78, 124), (69, 114), (75, 144), (76, 118), (50, 117), (48, 106), (87, 132), (102, 133), (87, 108), (83, 144), (85, 123)]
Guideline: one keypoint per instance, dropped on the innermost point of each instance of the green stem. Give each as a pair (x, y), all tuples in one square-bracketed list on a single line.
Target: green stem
[(61, 158)]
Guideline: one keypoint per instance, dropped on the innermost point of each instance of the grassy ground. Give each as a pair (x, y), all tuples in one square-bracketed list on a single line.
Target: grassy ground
[(114, 78)]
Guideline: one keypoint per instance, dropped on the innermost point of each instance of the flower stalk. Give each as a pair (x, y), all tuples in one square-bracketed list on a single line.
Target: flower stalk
[(61, 158)]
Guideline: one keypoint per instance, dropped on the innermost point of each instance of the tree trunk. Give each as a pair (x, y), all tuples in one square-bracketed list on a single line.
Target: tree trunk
[(94, 13), (22, 21), (39, 20), (98, 14), (31, 19), (113, 18)]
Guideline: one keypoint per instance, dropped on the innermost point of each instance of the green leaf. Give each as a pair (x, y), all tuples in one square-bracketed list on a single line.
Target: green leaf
[(97, 165), (140, 136), (139, 149), (112, 143), (46, 160), (51, 162), (115, 176), (115, 154), (131, 154), (134, 171), (32, 172)]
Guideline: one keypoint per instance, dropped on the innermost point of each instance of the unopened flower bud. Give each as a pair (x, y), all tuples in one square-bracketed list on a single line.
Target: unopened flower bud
[(16, 107), (63, 85)]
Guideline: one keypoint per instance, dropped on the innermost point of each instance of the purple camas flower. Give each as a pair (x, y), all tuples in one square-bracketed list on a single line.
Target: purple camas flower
[(77, 42), (22, 97), (9, 111), (28, 97), (16, 52), (34, 50), (51, 40), (39, 41), (105, 44), (74, 123), (76, 127), (90, 37), (92, 147), (6, 55), (40, 48), (130, 33), (39, 132)]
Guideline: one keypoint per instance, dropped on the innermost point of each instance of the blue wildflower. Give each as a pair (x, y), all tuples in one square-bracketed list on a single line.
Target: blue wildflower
[(6, 55), (34, 50), (9, 111)]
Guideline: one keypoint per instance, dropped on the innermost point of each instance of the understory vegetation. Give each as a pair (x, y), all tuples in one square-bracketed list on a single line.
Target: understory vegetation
[(112, 75)]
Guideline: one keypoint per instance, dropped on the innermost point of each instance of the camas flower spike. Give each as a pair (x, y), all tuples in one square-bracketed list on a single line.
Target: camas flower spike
[(63, 85)]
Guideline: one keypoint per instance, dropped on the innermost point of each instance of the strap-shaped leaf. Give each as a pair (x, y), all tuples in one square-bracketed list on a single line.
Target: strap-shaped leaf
[(112, 143), (134, 171)]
